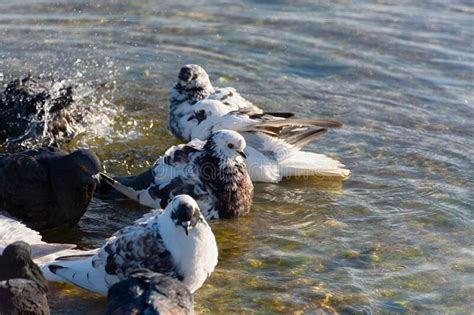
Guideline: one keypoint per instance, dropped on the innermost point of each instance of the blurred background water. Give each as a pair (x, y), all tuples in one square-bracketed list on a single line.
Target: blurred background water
[(397, 236)]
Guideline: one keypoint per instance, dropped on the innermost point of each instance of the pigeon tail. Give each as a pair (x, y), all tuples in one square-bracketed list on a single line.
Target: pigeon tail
[(78, 272), (303, 163)]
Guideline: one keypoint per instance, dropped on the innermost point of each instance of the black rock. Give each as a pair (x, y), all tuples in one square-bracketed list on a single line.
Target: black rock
[(146, 292), (23, 287), (47, 187)]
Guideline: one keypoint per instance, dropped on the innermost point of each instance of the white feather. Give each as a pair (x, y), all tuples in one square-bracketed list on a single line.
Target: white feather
[(12, 230), (303, 163), (195, 254), (269, 159)]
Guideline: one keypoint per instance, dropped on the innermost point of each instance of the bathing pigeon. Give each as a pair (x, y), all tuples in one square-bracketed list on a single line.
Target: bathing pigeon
[(176, 242), (274, 140), (47, 187), (146, 292), (193, 86), (213, 172)]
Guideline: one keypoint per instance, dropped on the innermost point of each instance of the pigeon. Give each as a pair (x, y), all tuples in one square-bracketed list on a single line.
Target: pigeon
[(194, 86), (47, 187), (37, 111), (147, 292), (176, 242), (274, 140), (23, 287), (213, 172)]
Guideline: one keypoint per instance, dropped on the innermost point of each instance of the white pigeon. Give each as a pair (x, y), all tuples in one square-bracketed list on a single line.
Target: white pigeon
[(274, 140), (193, 86), (177, 243), (213, 172)]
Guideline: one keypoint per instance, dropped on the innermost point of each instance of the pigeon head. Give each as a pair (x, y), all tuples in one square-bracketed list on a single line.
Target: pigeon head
[(16, 262), (74, 179), (193, 78), (184, 212), (227, 144)]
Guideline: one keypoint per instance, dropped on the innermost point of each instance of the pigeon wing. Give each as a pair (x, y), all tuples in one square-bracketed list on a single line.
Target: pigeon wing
[(134, 247)]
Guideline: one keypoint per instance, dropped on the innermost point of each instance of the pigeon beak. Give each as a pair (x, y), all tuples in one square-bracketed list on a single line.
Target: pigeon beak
[(186, 226), (96, 177), (242, 154)]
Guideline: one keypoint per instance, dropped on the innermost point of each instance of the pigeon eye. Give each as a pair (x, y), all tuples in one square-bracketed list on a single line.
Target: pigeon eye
[(230, 146)]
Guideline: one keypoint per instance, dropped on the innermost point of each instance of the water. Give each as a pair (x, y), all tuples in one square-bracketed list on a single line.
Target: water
[(396, 237)]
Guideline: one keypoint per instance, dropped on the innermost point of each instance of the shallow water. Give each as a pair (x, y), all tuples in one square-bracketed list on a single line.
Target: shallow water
[(396, 237)]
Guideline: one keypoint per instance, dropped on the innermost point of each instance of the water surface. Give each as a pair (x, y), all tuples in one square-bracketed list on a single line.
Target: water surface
[(396, 237)]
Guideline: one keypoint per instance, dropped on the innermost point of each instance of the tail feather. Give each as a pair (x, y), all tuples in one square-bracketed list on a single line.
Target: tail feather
[(80, 273), (300, 138), (138, 182), (303, 163), (274, 114), (281, 123), (297, 132)]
